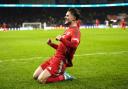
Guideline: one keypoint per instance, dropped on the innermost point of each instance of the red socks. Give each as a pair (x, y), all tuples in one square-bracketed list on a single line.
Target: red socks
[(55, 79)]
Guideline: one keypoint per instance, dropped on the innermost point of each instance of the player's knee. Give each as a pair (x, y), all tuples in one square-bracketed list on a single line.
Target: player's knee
[(35, 76), (41, 80), (43, 76)]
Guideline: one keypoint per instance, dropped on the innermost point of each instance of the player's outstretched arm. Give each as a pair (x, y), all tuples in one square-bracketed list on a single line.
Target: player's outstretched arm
[(53, 45)]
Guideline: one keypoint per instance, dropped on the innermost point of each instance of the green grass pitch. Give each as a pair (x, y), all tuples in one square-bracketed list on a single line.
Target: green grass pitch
[(100, 62)]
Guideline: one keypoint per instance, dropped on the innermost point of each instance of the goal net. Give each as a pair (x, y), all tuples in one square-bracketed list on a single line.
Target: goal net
[(34, 25)]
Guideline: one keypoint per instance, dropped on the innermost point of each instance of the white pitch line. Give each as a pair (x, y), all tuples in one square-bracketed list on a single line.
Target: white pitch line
[(22, 59), (102, 53), (78, 55)]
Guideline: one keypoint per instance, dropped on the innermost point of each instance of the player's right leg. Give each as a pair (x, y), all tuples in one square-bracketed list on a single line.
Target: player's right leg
[(61, 77), (67, 76)]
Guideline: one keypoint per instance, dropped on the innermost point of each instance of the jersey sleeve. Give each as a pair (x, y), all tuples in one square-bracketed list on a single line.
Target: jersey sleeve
[(75, 39), (53, 45)]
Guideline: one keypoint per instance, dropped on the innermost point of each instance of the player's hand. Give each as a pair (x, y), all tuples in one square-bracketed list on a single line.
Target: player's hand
[(58, 37), (49, 41)]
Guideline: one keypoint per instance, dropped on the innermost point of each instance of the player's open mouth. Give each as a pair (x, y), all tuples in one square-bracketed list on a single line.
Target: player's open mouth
[(66, 21)]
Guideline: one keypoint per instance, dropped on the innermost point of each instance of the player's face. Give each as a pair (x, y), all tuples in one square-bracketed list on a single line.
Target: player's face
[(69, 18)]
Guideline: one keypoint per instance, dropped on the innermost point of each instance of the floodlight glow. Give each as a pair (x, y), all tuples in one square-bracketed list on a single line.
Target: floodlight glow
[(65, 5)]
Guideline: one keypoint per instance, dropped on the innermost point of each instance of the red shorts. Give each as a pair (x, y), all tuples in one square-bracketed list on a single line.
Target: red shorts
[(54, 65)]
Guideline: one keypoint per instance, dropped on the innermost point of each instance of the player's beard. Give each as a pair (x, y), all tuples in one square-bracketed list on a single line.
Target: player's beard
[(67, 23)]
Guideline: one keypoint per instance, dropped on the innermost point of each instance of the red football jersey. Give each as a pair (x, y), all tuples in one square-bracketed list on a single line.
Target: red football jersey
[(64, 51), (68, 45)]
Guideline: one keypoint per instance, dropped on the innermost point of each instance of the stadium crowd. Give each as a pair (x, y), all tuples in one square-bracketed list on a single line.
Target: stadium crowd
[(14, 17)]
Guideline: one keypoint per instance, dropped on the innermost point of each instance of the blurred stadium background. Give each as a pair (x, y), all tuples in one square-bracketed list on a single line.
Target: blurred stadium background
[(14, 17), (101, 60)]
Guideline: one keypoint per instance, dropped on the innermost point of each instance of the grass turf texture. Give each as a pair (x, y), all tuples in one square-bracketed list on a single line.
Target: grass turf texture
[(101, 60)]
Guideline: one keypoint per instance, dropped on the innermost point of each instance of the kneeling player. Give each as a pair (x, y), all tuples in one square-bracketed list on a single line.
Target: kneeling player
[(53, 70)]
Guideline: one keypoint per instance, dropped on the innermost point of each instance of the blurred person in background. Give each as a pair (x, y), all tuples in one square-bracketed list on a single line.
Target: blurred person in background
[(123, 24), (4, 27), (97, 23)]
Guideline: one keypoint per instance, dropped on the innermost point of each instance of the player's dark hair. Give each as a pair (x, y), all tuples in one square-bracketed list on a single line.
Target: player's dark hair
[(75, 12)]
